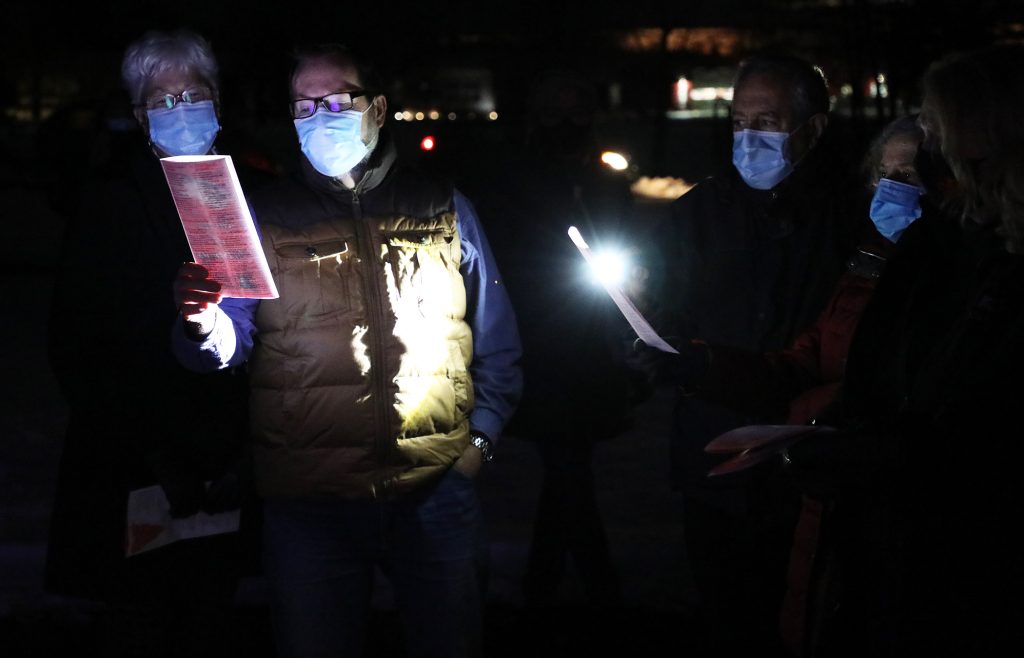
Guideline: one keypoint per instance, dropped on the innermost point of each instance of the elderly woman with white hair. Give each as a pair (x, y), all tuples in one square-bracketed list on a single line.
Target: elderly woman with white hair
[(112, 361), (172, 81)]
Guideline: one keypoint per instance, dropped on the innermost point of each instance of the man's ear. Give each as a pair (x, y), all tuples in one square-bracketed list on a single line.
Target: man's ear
[(817, 124), (380, 104)]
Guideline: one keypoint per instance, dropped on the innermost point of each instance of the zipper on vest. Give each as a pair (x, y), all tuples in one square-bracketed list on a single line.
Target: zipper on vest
[(375, 308)]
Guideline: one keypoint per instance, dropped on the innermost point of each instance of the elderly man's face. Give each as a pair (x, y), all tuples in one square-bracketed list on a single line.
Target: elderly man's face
[(326, 75), (766, 103)]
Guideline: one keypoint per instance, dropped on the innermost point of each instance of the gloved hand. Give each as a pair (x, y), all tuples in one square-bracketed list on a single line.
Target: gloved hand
[(225, 493), (817, 463), (180, 481), (185, 496), (229, 490), (687, 368)]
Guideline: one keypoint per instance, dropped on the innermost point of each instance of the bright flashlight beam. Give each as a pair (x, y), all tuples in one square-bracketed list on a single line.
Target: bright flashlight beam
[(629, 311), (608, 267)]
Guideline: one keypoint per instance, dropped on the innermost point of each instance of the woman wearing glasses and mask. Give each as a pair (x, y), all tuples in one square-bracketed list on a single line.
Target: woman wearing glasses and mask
[(112, 360)]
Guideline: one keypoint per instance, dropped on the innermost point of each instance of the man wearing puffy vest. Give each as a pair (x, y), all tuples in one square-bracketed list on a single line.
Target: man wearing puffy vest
[(381, 378)]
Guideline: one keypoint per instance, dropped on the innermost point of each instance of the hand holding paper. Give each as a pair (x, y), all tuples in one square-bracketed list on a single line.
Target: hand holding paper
[(149, 525), (194, 291), (754, 444)]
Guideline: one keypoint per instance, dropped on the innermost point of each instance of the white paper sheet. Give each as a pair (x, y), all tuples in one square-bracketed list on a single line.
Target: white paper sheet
[(218, 225), (149, 525), (633, 316)]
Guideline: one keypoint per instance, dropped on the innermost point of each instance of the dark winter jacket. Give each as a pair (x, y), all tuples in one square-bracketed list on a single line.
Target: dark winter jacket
[(929, 457), (751, 269), (801, 382), (570, 328), (109, 350)]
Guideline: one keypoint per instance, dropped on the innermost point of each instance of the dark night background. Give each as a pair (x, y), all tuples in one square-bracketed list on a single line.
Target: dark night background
[(60, 94)]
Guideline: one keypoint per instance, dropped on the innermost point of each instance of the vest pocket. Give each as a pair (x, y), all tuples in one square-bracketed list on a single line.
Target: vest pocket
[(315, 278), (418, 238)]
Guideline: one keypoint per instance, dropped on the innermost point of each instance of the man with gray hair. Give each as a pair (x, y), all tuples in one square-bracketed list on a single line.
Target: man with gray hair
[(753, 254)]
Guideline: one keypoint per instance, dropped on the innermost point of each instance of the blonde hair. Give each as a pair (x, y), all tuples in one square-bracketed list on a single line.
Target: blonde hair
[(976, 100)]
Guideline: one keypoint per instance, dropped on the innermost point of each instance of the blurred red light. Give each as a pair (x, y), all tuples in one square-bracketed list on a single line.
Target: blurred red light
[(428, 143)]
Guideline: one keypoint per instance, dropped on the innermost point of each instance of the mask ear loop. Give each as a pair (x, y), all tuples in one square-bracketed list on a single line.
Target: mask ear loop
[(142, 119), (810, 147)]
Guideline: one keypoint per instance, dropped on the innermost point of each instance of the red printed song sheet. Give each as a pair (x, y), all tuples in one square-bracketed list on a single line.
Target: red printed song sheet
[(218, 225)]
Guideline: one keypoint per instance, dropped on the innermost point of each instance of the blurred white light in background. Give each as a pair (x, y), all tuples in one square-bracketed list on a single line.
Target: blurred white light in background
[(664, 188), (616, 161), (407, 115), (434, 115), (711, 93), (419, 116), (681, 92), (451, 116), (493, 116), (399, 116)]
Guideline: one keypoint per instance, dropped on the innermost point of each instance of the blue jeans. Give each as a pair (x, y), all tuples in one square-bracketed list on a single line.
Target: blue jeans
[(320, 555)]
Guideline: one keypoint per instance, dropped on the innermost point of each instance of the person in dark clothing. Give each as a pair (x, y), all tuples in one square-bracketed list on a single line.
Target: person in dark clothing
[(753, 255), (576, 390), (124, 388), (801, 384), (927, 460)]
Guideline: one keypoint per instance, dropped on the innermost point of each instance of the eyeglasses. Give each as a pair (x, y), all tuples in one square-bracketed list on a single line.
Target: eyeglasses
[(188, 96), (342, 101)]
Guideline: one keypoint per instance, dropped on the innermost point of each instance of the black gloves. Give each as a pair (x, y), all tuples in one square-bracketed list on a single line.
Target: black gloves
[(685, 369), (229, 490), (188, 493), (185, 496)]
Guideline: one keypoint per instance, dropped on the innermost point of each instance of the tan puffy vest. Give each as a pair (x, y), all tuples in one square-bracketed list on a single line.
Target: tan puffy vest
[(360, 381)]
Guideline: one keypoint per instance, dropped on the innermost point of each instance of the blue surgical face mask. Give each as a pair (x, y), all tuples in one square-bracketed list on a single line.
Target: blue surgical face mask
[(760, 157), (333, 142), (894, 207), (185, 129)]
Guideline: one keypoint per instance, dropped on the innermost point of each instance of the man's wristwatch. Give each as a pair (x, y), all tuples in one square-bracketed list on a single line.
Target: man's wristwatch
[(483, 444)]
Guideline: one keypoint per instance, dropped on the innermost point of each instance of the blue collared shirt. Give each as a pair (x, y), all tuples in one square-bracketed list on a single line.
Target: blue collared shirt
[(497, 378)]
